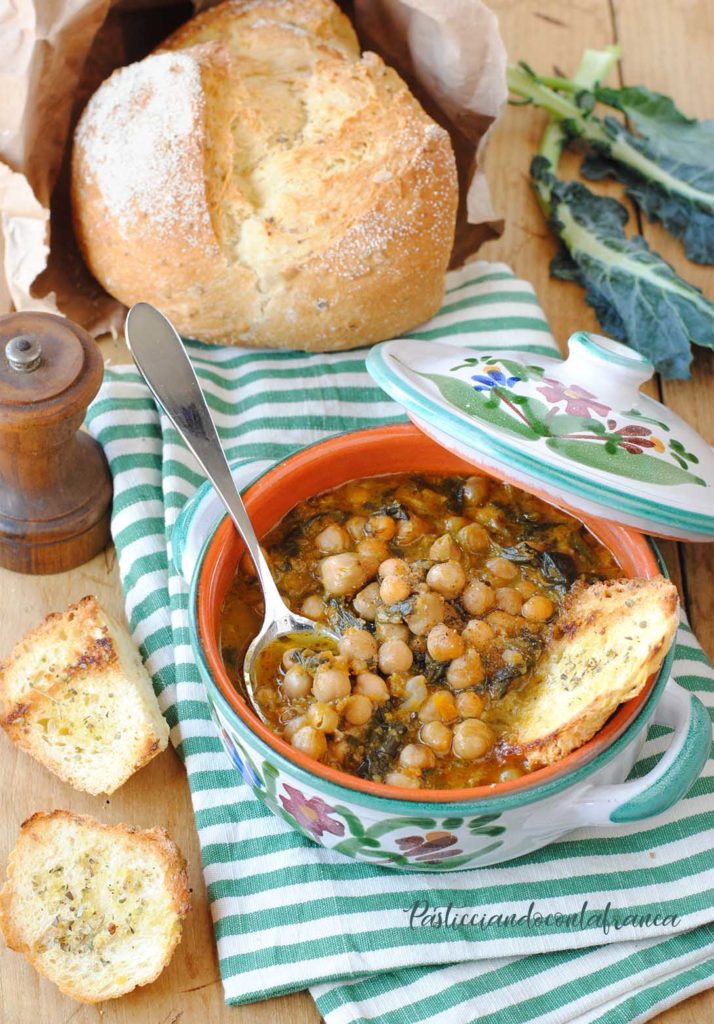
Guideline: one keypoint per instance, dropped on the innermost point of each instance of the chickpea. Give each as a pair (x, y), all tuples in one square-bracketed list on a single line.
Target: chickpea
[(372, 551), (393, 589), (447, 578), (414, 755), (331, 684), (474, 537), (382, 527), (297, 682), (428, 612), (465, 671), (454, 523), (505, 624), (355, 526), (470, 704), (290, 657), (395, 656), (358, 493), (444, 548), (333, 539), (323, 717), (472, 739), (478, 598), (502, 568), (478, 634), (513, 658), (357, 645), (293, 724), (343, 574), (509, 774), (475, 490), (393, 567), (415, 693), (310, 742), (400, 779), (437, 736), (439, 707), (537, 608), (358, 709), (366, 602), (411, 529), (368, 684), (509, 600), (444, 643), (526, 588), (313, 607)]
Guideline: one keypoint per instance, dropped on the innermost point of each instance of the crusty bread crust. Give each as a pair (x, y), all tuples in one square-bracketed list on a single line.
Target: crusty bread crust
[(78, 670), (265, 185), (154, 848), (611, 638)]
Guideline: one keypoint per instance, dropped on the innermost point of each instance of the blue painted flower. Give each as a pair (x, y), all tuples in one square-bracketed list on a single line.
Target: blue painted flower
[(494, 377), (242, 764)]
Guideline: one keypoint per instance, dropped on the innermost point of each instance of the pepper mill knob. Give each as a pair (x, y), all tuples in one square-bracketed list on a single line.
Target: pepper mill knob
[(55, 484)]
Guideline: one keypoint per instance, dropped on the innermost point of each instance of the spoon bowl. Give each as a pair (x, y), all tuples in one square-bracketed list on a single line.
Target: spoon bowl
[(162, 360)]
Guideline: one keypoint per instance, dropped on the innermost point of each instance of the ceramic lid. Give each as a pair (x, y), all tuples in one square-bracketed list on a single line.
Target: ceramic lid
[(577, 431)]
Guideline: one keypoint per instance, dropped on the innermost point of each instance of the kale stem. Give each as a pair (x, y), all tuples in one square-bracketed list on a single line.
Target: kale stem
[(594, 66)]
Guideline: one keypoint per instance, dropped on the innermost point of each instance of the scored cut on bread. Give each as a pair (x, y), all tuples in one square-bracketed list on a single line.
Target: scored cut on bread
[(263, 183), (95, 908), (76, 696), (610, 638)]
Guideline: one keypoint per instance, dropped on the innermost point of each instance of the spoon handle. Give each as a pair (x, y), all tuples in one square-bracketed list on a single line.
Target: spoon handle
[(162, 360)]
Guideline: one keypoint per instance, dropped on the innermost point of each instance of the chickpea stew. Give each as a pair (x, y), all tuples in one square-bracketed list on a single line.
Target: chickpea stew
[(443, 592)]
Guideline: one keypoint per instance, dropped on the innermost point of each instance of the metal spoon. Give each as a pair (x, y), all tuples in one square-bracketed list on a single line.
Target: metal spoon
[(162, 361)]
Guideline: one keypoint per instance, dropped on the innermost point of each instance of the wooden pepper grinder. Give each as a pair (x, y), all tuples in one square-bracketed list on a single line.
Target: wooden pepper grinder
[(55, 484)]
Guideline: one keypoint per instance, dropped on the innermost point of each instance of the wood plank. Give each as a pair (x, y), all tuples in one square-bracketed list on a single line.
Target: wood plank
[(667, 45), (189, 989)]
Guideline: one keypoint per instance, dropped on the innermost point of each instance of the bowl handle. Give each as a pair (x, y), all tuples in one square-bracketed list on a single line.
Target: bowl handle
[(672, 777)]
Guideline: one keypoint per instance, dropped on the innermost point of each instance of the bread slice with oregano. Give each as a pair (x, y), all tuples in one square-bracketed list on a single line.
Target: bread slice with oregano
[(95, 908), (76, 696), (609, 639)]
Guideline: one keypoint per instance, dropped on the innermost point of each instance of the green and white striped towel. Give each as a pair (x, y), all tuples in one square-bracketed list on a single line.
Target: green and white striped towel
[(289, 914)]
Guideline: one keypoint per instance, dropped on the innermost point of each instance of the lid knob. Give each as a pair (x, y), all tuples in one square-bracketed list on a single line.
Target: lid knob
[(615, 372), (23, 353)]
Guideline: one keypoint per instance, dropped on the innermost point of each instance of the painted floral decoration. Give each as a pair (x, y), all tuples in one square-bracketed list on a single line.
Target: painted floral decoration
[(493, 377), (312, 814), (243, 765), (578, 401), (433, 847)]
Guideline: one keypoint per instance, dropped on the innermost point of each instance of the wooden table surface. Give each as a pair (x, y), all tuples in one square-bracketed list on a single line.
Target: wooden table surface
[(666, 44)]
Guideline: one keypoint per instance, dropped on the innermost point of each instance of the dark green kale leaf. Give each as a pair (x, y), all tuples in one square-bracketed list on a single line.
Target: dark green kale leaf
[(636, 295), (667, 167)]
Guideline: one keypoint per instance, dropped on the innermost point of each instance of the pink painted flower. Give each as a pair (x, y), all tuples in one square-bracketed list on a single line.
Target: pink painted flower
[(313, 815), (578, 401)]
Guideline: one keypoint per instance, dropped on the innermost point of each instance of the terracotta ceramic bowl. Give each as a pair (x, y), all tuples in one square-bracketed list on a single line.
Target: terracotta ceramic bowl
[(372, 821)]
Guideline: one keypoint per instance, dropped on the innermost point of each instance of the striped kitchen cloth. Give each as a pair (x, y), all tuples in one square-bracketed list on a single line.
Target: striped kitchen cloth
[(289, 914)]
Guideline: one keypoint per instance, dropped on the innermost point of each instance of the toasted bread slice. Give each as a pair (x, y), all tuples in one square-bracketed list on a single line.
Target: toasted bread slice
[(611, 637), (76, 696), (95, 908)]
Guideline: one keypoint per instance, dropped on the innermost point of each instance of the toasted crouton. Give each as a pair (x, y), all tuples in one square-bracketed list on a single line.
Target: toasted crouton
[(95, 908), (612, 636), (76, 696)]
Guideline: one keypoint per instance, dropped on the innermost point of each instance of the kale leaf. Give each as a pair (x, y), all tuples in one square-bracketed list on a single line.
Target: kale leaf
[(667, 167), (636, 295)]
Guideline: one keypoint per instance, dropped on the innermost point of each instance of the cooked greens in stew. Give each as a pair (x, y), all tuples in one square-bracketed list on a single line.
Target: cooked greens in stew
[(443, 591)]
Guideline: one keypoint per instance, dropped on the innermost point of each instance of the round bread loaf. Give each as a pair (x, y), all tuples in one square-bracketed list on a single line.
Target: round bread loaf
[(264, 184)]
